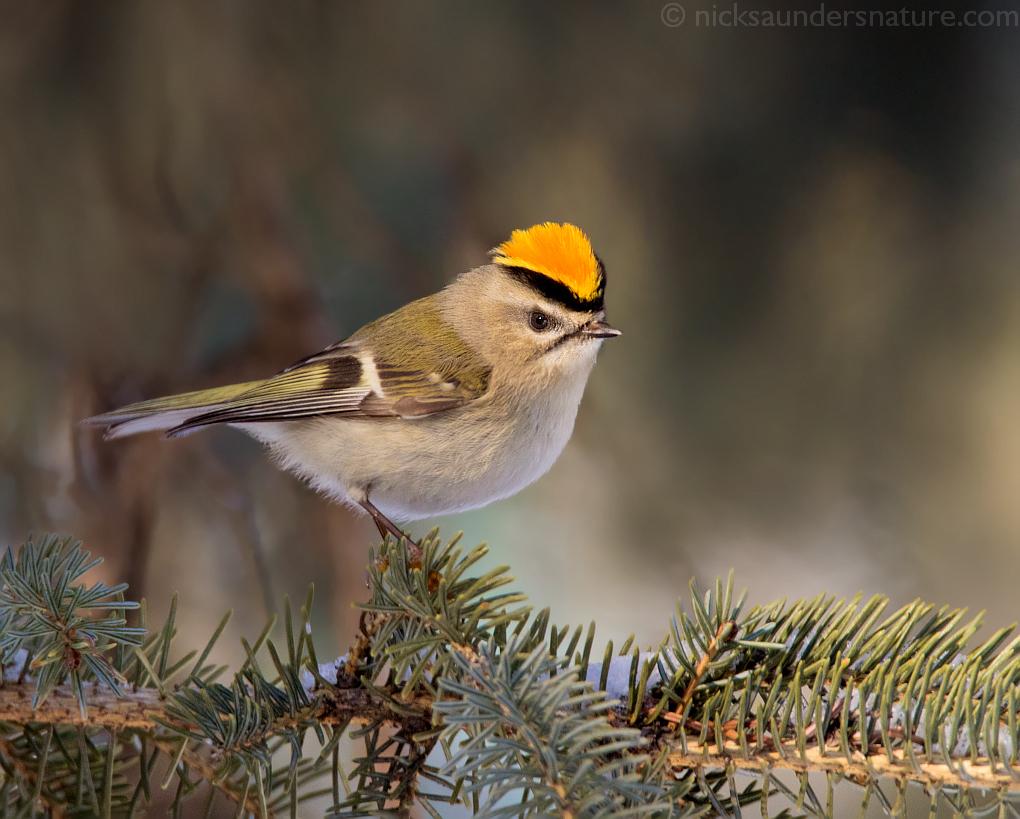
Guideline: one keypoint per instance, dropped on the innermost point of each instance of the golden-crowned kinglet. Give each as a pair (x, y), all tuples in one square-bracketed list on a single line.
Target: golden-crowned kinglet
[(447, 404)]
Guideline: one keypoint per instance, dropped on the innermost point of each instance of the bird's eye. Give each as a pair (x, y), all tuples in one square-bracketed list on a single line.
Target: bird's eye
[(539, 321)]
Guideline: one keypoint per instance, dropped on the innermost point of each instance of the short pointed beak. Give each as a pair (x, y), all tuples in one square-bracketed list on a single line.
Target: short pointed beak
[(600, 328)]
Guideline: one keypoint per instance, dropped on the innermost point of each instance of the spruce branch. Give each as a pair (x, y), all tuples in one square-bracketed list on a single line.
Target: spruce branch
[(138, 708), (456, 666), (860, 768), (549, 731), (49, 620), (146, 709)]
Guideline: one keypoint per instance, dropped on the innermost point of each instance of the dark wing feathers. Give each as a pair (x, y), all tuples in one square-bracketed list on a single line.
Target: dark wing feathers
[(318, 386), (413, 394), (338, 381), (408, 364)]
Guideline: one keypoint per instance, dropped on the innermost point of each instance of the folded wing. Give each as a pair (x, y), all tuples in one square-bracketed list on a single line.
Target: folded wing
[(345, 380)]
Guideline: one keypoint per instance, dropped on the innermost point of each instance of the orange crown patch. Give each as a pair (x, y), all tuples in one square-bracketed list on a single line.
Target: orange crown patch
[(559, 252)]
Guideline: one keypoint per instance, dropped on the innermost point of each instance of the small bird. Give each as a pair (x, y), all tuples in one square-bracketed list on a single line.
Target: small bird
[(451, 402)]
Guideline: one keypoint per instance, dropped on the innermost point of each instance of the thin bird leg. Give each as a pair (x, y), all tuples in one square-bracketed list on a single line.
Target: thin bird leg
[(382, 529), (387, 527)]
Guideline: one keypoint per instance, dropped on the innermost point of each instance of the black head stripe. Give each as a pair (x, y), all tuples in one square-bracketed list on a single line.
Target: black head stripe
[(557, 291)]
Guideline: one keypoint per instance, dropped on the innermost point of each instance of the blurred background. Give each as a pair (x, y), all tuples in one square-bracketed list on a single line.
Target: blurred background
[(812, 244)]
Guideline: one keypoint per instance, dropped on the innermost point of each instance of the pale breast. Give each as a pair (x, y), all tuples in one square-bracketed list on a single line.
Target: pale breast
[(440, 464)]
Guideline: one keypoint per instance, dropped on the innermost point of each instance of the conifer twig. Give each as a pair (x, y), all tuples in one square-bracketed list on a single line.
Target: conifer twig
[(144, 709), (28, 772), (862, 768), (721, 635), (135, 709), (455, 662), (208, 772)]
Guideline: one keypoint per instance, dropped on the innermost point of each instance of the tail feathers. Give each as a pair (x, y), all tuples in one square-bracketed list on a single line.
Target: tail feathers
[(165, 413), (147, 423)]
